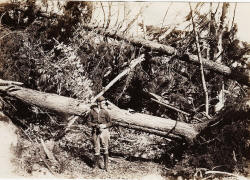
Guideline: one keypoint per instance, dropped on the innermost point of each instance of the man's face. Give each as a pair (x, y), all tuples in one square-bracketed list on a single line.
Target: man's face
[(101, 104)]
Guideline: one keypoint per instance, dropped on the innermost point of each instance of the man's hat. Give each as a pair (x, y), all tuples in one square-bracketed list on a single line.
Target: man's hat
[(100, 99)]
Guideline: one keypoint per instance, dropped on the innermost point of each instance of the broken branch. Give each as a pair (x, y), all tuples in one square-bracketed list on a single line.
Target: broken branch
[(122, 74)]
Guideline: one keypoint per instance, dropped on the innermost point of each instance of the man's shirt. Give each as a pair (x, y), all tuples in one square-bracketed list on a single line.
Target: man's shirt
[(101, 117)]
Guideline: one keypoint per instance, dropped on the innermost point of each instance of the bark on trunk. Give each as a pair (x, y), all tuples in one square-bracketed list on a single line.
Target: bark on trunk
[(77, 107), (242, 78), (47, 100), (155, 123)]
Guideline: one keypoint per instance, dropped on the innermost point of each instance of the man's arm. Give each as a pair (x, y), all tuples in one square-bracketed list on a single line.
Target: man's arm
[(108, 118)]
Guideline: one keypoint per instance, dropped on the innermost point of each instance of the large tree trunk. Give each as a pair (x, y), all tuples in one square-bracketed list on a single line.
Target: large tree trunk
[(159, 124), (77, 107), (242, 78), (47, 100)]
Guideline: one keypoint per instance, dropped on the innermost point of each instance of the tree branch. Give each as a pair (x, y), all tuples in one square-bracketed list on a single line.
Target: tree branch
[(104, 16), (174, 108), (132, 21), (201, 63), (122, 74), (109, 15)]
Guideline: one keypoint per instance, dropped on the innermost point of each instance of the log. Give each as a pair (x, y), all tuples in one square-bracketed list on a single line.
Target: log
[(242, 78), (153, 122), (121, 75), (76, 107), (50, 101), (4, 83)]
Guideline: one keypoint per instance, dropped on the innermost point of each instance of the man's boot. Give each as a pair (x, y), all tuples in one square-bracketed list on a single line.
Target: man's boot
[(106, 162), (96, 161)]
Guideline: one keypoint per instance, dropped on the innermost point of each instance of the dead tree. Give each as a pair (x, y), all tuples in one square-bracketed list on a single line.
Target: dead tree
[(242, 78), (143, 122)]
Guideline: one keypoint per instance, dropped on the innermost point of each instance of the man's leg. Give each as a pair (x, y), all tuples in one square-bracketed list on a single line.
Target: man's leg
[(105, 136), (97, 148)]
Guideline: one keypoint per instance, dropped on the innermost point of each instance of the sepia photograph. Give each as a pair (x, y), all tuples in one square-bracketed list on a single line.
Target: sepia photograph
[(124, 90)]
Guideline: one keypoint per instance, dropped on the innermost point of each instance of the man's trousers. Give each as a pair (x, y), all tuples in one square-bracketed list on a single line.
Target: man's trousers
[(101, 139)]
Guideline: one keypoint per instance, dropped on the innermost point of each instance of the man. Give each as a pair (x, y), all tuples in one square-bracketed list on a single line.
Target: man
[(99, 120)]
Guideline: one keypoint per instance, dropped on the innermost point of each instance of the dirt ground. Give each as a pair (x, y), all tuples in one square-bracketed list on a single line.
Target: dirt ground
[(75, 167), (119, 169), (8, 138)]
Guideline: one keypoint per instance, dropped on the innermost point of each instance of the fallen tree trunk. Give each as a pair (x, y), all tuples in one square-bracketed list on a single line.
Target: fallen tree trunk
[(47, 100), (5, 83), (147, 123), (242, 78), (121, 75), (76, 107)]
